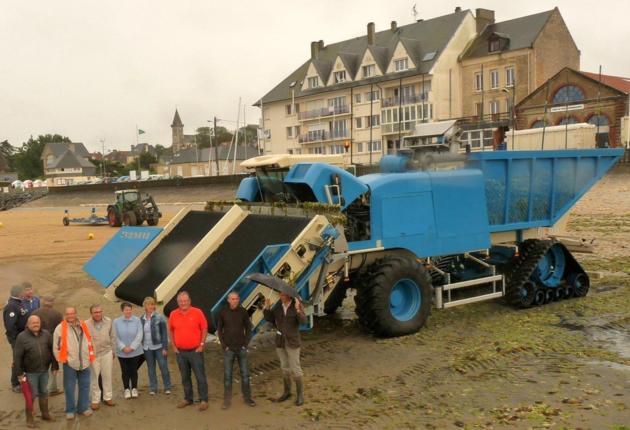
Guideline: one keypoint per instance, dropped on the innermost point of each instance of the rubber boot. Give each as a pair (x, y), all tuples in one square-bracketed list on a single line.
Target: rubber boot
[(30, 419), (299, 388), (286, 377), (43, 407)]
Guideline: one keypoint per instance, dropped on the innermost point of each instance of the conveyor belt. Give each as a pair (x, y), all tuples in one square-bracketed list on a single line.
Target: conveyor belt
[(166, 256), (235, 254)]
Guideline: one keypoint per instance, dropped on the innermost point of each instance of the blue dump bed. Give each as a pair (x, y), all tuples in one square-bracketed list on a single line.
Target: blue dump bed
[(526, 189)]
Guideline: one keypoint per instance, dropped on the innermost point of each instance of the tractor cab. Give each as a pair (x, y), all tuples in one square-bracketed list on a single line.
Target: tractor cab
[(132, 207), (266, 180)]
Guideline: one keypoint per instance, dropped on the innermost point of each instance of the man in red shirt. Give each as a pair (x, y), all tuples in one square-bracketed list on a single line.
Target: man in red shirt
[(189, 327)]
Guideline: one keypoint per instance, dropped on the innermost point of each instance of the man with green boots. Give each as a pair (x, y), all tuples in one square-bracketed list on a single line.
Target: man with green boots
[(287, 318), (33, 356)]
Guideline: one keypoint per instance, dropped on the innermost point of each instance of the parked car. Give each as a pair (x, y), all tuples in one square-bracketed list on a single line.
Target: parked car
[(123, 179)]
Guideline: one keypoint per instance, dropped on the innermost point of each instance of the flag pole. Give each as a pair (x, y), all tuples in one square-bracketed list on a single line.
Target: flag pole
[(137, 143)]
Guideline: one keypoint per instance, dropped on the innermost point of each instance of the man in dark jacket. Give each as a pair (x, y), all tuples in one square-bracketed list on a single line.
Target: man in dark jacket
[(50, 318), (234, 329), (287, 318), (15, 316), (32, 357)]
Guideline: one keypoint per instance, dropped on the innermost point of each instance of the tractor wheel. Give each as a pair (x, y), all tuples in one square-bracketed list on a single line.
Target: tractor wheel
[(129, 218), (526, 295), (396, 297), (152, 221), (66, 221), (580, 284), (113, 218)]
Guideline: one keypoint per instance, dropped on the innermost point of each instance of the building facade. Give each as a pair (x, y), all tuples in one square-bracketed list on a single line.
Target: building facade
[(364, 95), (572, 97), (67, 163), (192, 162)]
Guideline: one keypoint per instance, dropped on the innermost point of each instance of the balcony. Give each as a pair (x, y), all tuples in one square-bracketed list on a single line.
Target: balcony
[(323, 136), (406, 100), (404, 127), (324, 112)]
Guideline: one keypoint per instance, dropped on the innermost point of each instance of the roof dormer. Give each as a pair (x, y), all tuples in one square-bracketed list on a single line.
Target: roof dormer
[(313, 78), (401, 59), (343, 70), (498, 42), (370, 66)]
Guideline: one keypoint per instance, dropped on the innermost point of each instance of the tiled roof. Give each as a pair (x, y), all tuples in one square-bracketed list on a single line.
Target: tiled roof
[(422, 38), (617, 82), (521, 32)]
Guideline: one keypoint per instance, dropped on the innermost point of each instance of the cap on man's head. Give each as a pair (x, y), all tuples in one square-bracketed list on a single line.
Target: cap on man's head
[(17, 290)]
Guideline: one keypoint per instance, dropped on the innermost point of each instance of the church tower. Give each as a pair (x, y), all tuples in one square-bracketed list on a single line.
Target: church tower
[(178, 133)]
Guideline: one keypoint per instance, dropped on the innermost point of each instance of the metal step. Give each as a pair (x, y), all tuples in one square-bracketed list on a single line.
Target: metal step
[(441, 303), (473, 300)]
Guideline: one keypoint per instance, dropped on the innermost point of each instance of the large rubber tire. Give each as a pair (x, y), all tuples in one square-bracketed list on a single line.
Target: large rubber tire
[(396, 297), (153, 221), (113, 218), (580, 283), (66, 221), (129, 218)]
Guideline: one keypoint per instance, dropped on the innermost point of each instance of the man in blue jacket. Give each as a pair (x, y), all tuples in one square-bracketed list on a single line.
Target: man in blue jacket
[(15, 316)]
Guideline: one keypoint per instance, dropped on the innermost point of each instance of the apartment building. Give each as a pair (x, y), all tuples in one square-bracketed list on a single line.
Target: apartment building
[(364, 95)]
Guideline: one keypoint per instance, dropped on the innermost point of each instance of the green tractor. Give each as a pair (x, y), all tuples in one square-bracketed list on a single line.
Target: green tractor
[(132, 208)]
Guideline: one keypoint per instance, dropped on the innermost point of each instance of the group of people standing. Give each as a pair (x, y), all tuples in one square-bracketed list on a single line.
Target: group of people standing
[(43, 340)]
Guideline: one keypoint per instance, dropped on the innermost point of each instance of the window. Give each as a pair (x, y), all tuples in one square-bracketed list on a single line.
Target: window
[(478, 109), (293, 132), (374, 146), (337, 102), (340, 77), (291, 111), (357, 98), (409, 94), (569, 120), (313, 82), (477, 138), (337, 149), (494, 79), (509, 76), (267, 135), (359, 122), (401, 65), (368, 71), (359, 146), (494, 45), (339, 128), (598, 120), (317, 150), (374, 122), (478, 81), (494, 107), (568, 94), (373, 96)]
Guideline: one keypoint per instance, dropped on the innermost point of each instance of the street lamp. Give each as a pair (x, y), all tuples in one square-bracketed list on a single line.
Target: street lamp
[(508, 90)]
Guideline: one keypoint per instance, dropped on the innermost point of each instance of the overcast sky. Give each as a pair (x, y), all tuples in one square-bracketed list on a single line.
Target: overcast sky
[(93, 70)]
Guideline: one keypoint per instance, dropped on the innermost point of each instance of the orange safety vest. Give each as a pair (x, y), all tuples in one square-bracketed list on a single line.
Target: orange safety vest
[(63, 351)]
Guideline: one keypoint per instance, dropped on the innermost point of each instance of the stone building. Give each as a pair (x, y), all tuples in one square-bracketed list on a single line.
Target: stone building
[(571, 97)]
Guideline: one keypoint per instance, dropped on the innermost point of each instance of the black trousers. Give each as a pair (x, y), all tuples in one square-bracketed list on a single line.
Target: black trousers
[(129, 370)]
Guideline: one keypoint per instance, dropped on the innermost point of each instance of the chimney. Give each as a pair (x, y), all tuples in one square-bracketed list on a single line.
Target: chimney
[(458, 8), (394, 26), (321, 45), (314, 50), (370, 33), (484, 17)]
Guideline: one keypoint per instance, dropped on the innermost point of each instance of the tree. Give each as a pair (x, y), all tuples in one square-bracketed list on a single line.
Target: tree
[(203, 137), (6, 155), (27, 160), (161, 151), (248, 135)]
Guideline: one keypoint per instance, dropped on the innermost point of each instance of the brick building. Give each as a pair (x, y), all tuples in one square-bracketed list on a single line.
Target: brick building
[(571, 97)]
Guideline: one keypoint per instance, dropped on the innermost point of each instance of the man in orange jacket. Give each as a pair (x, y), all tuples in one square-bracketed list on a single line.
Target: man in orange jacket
[(72, 346)]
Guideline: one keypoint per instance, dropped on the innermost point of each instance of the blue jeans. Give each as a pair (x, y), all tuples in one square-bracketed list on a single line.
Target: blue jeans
[(188, 360), (70, 379), (38, 381), (228, 364), (152, 356)]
